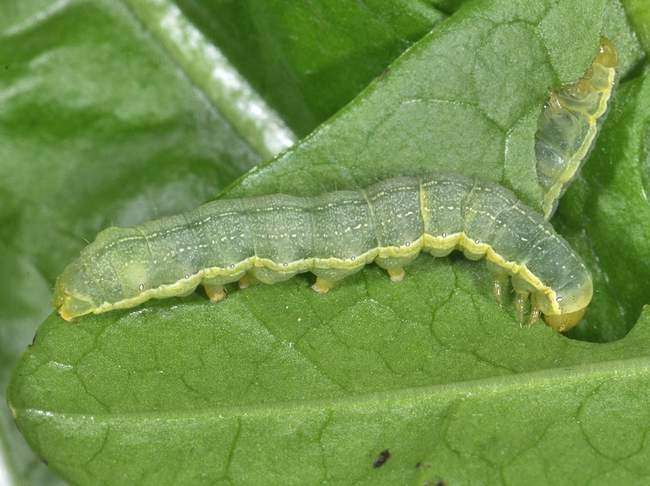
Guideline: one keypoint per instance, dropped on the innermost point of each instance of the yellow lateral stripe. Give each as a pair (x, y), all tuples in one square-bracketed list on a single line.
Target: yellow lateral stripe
[(425, 242)]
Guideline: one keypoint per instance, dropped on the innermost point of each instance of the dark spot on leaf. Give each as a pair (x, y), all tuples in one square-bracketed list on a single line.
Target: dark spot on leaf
[(381, 459), (435, 482), (422, 465)]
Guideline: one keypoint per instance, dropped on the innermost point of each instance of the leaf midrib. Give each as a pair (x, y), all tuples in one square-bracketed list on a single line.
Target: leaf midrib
[(265, 131), (491, 385)]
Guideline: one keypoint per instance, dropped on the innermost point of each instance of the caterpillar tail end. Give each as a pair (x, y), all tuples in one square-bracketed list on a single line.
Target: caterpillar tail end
[(70, 306), (65, 316), (564, 322)]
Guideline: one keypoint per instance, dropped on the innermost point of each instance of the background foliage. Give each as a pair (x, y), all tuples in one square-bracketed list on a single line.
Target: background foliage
[(117, 112)]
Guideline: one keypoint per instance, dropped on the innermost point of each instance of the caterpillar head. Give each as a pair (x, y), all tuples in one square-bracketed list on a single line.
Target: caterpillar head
[(573, 302), (564, 322)]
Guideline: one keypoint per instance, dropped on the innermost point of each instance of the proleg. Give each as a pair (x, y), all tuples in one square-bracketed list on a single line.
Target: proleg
[(272, 238)]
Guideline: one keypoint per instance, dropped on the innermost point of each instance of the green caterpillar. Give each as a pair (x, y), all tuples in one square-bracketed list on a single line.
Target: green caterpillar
[(569, 124), (272, 238)]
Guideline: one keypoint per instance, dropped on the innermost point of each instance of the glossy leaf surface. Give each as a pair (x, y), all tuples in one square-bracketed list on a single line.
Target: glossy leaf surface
[(277, 384)]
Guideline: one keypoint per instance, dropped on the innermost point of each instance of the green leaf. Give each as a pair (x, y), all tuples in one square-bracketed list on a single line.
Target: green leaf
[(278, 384), (606, 214), (617, 28), (98, 126), (639, 15), (272, 387), (308, 59), (117, 112), (464, 99)]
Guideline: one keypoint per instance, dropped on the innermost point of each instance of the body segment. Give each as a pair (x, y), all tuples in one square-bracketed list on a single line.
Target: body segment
[(272, 238)]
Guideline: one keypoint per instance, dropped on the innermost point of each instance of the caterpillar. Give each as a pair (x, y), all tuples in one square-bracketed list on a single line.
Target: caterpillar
[(568, 125), (272, 238)]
